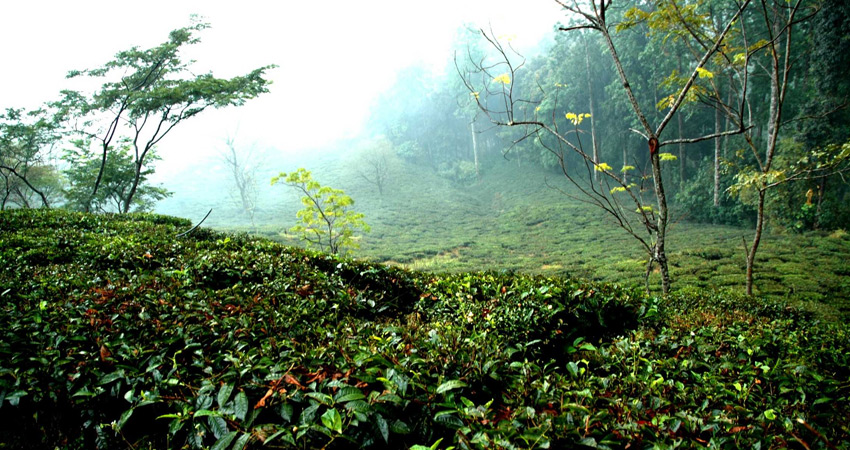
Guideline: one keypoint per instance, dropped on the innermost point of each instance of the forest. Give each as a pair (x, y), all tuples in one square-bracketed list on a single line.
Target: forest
[(630, 235)]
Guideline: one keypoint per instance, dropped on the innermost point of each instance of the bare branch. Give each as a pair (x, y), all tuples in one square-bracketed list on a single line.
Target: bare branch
[(706, 137)]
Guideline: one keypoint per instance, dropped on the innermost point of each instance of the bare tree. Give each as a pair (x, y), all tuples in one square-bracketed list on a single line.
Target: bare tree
[(242, 165), (612, 192), (374, 165)]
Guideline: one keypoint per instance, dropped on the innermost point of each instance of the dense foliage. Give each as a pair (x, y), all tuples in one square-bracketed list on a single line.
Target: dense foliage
[(116, 180), (660, 43), (117, 333)]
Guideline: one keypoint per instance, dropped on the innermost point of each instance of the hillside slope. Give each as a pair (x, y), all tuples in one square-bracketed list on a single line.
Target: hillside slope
[(514, 220), (116, 333)]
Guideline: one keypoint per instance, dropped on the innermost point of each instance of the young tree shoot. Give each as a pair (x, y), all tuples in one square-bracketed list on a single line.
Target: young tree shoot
[(327, 221)]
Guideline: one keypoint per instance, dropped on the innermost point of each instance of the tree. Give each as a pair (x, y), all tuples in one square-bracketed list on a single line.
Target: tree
[(117, 178), (374, 164), (326, 220), (516, 111), (774, 56), (242, 165), (468, 42), (145, 97), (26, 139), (826, 108)]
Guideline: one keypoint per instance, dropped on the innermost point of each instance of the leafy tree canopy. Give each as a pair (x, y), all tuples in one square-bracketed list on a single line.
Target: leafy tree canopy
[(146, 94)]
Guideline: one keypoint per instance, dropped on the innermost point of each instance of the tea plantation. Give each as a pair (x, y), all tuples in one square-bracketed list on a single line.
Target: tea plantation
[(115, 332)]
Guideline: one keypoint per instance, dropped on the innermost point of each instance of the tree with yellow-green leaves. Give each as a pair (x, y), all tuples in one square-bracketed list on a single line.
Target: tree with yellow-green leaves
[(539, 114), (327, 221)]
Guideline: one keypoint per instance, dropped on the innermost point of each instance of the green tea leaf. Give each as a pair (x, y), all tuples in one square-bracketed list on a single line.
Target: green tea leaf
[(224, 394), (350, 397), (332, 420), (15, 397), (110, 377), (324, 399), (383, 427), (217, 425), (275, 436), (204, 412), (225, 441), (240, 405), (449, 385), (125, 416), (241, 442), (286, 412), (400, 427)]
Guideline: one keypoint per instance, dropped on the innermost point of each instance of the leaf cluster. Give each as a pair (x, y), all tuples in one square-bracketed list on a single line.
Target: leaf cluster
[(114, 333)]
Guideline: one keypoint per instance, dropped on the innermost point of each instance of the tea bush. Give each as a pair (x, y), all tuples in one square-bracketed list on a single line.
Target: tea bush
[(116, 333)]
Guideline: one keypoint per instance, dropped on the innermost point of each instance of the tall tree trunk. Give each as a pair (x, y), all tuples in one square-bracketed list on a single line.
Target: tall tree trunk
[(717, 147), (780, 65), (681, 151), (44, 202), (6, 193), (681, 135), (592, 108), (821, 192), (475, 151), (726, 125), (128, 200), (625, 159), (659, 253)]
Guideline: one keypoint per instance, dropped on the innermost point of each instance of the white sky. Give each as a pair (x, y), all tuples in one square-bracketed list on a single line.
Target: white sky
[(334, 56)]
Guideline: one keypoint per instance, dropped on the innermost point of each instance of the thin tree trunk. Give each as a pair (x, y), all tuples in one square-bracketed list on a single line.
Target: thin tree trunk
[(592, 109), (12, 171), (681, 151), (6, 193), (751, 253), (128, 200), (778, 86), (821, 191), (726, 125), (681, 135), (625, 160), (659, 253), (717, 148), (475, 151)]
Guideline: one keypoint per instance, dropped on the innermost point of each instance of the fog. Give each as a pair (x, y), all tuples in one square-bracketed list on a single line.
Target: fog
[(333, 58), (360, 82)]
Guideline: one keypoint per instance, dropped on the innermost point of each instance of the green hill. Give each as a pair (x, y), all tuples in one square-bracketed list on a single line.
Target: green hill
[(515, 220), (117, 333)]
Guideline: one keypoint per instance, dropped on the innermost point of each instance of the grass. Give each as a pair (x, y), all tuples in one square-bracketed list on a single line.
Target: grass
[(512, 221)]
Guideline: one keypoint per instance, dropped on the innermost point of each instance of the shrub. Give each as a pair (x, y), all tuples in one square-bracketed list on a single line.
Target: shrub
[(118, 334)]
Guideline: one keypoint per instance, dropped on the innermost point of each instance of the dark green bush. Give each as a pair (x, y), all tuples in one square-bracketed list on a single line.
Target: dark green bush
[(114, 333)]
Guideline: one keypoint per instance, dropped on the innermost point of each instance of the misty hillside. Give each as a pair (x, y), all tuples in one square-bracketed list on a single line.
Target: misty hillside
[(118, 333), (485, 224), (519, 217)]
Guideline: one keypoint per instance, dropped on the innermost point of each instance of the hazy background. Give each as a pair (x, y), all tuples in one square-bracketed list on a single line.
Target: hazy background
[(341, 61), (334, 57)]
